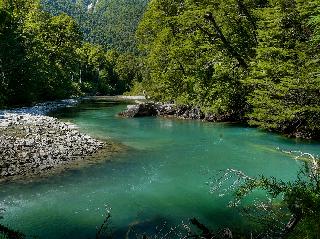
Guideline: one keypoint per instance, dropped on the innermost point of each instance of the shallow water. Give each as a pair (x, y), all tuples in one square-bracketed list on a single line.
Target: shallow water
[(160, 180)]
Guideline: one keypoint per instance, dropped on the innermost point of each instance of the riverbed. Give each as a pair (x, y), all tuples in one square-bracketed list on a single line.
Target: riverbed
[(162, 179)]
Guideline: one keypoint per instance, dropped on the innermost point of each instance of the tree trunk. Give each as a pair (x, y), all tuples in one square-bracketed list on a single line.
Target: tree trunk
[(225, 42)]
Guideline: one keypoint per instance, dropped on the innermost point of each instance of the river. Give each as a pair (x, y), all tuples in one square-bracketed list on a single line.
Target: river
[(158, 181)]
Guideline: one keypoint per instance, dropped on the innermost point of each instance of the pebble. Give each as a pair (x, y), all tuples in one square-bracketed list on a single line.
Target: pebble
[(31, 142)]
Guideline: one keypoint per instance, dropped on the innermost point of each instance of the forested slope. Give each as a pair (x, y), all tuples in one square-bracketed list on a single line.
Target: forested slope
[(110, 23)]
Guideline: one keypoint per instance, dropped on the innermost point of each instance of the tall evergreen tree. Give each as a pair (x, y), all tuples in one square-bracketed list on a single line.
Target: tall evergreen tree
[(285, 74)]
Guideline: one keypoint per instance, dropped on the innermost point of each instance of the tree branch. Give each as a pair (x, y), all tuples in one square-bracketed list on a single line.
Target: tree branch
[(205, 231), (293, 222), (103, 227), (206, 32), (225, 42), (243, 9)]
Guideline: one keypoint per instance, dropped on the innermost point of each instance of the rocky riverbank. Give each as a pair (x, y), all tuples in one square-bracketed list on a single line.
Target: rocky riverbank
[(172, 110), (42, 108), (33, 144)]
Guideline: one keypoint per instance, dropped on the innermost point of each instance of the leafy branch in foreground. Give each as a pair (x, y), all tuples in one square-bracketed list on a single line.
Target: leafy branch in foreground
[(291, 209)]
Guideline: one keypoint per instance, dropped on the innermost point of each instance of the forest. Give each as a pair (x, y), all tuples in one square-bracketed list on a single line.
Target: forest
[(48, 55), (255, 63), (110, 23)]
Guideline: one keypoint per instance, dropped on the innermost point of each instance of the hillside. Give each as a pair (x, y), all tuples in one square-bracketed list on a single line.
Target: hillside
[(111, 23)]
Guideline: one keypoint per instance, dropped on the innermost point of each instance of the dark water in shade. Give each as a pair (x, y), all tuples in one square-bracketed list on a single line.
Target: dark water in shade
[(162, 177)]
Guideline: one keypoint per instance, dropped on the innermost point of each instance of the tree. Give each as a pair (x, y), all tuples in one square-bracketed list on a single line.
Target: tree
[(38, 59), (52, 44), (284, 75), (197, 52), (127, 68), (16, 86), (237, 60)]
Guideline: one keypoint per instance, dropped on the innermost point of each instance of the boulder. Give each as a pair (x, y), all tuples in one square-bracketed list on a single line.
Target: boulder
[(166, 109), (140, 110), (188, 112), (158, 109)]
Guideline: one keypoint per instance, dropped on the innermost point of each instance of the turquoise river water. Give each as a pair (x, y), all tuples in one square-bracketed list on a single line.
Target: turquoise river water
[(159, 181)]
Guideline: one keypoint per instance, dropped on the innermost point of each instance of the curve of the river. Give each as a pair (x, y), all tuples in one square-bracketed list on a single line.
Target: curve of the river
[(160, 179)]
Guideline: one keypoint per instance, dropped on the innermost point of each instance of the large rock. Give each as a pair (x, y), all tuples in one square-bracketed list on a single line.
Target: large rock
[(140, 110), (165, 110), (188, 112), (210, 117)]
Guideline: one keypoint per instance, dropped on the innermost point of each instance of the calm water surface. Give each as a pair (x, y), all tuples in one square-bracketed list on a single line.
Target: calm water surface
[(160, 179)]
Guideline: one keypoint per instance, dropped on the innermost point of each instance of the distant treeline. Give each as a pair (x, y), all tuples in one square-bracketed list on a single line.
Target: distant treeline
[(247, 60)]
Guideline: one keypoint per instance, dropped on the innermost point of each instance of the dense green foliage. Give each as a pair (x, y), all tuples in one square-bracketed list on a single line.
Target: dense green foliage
[(110, 23), (38, 58), (299, 199), (285, 72), (237, 58), (186, 63), (44, 57)]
